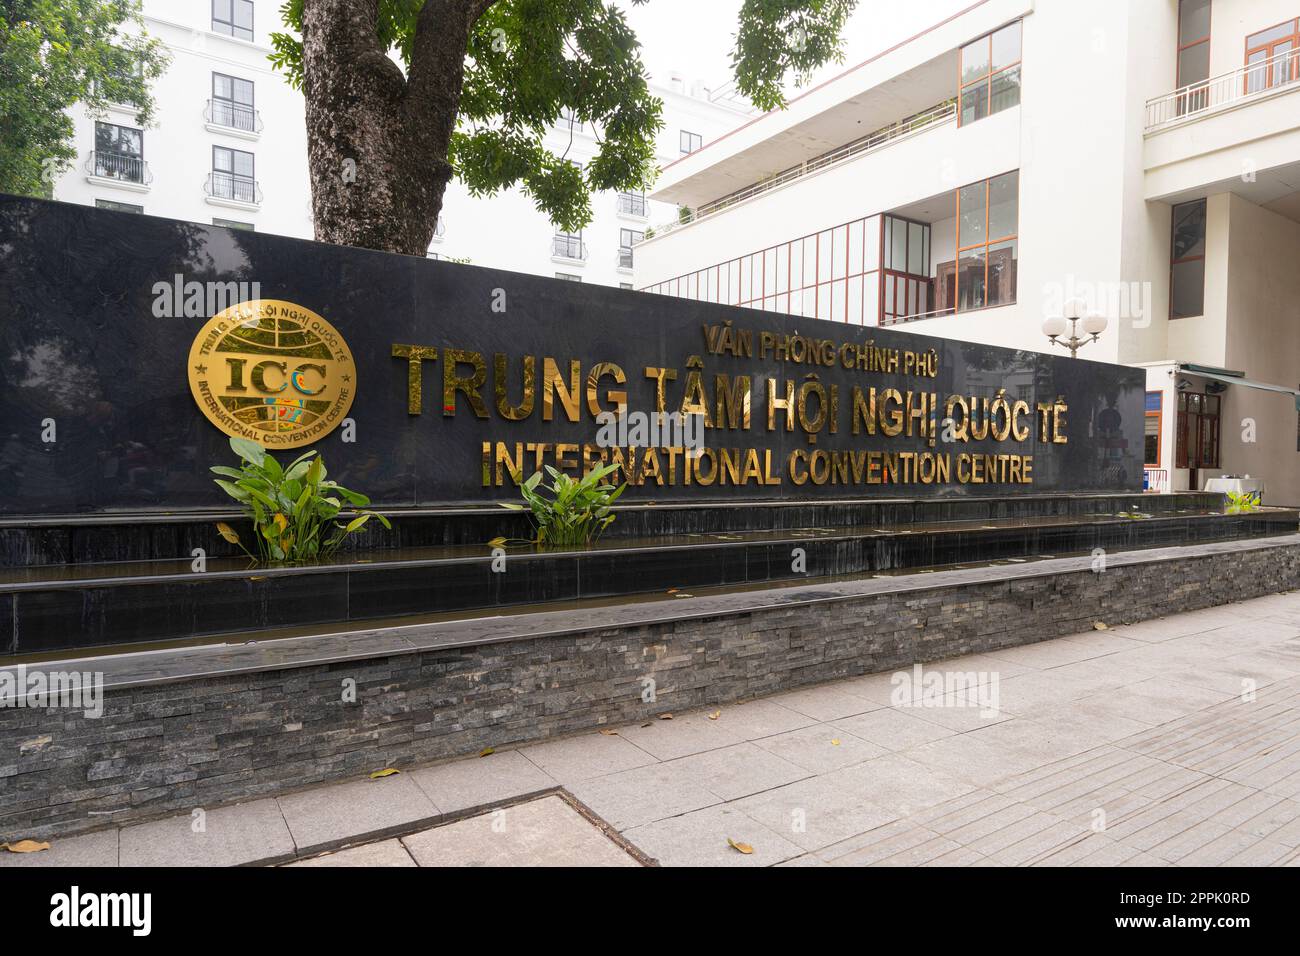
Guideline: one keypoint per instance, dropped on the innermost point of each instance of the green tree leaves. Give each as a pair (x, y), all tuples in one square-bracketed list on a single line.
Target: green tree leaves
[(54, 53)]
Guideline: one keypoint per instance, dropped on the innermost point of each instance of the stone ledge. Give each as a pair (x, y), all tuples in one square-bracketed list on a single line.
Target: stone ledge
[(338, 644)]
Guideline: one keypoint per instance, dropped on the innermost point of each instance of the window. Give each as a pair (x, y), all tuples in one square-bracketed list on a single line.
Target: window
[(990, 74), (633, 204), (232, 102), (117, 206), (1275, 54), (1187, 261), (119, 153), (1193, 54), (568, 277), (232, 175), (627, 238), (908, 289), (690, 142), (625, 285), (234, 18), (987, 222), (125, 69), (1197, 431), (1154, 416), (233, 224), (568, 245)]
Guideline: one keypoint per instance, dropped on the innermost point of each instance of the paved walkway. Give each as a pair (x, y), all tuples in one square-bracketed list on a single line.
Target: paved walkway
[(1175, 741)]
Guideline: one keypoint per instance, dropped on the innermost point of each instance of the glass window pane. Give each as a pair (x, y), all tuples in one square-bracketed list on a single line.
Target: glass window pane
[(915, 248), (970, 227), (871, 238), (1269, 36), (974, 102), (810, 261), (898, 247), (1002, 273), (824, 300), (1194, 64), (1193, 20), (769, 272), (1189, 230), (1187, 289), (855, 300), (871, 299), (838, 290), (824, 256), (1004, 205), (970, 280), (839, 251), (855, 247), (975, 60), (244, 14), (1006, 90), (796, 265), (1006, 46), (783, 268)]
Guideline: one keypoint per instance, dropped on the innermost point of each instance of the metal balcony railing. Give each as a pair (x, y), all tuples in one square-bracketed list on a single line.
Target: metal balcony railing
[(1219, 92), (938, 115), (128, 169), (230, 186), (630, 205), (233, 115), (568, 247)]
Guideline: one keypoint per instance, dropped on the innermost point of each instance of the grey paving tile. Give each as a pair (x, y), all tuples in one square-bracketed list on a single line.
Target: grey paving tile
[(739, 770), (324, 817), (820, 748), (544, 832), (899, 784), (385, 853), (758, 719), (643, 795), (827, 702), (586, 756), (478, 781), (238, 835), (813, 813), (700, 838), (894, 728), (88, 850), (682, 736)]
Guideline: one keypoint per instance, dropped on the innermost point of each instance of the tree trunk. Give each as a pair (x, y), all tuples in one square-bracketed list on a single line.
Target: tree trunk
[(377, 141)]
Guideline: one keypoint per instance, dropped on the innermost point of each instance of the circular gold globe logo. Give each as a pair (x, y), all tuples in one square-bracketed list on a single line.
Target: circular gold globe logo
[(273, 372)]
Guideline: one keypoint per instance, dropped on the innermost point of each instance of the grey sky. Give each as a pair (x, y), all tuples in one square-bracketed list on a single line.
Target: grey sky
[(694, 37)]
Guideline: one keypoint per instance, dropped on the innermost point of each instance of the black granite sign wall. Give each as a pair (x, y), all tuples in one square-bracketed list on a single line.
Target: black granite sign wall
[(469, 379)]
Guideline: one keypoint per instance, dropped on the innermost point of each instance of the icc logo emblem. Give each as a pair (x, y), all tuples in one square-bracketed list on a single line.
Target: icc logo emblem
[(272, 372)]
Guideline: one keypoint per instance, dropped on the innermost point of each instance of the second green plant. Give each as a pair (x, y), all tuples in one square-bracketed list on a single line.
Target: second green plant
[(569, 512)]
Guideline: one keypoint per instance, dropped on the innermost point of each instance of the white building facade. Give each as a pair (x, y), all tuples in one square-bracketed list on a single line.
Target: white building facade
[(1134, 159), (228, 146)]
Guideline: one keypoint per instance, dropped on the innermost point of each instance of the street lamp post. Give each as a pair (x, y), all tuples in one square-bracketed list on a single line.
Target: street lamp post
[(1093, 325)]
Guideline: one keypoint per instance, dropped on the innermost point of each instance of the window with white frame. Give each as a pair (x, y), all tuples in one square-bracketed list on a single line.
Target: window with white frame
[(690, 142)]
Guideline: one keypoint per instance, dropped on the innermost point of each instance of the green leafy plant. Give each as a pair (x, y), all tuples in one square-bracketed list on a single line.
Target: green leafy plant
[(292, 508), (576, 511), (1241, 502)]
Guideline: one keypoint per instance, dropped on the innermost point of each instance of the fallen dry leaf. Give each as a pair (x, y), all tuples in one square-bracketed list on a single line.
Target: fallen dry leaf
[(744, 848), (24, 846), (497, 543), (608, 732), (227, 532), (835, 741), (672, 590), (715, 715), (386, 772), (487, 752), (1099, 625), (665, 716), (648, 723)]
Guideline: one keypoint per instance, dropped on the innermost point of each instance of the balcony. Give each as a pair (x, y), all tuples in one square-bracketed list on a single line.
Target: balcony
[(633, 205), (1255, 81), (118, 169), (227, 116), (228, 189), (568, 248)]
